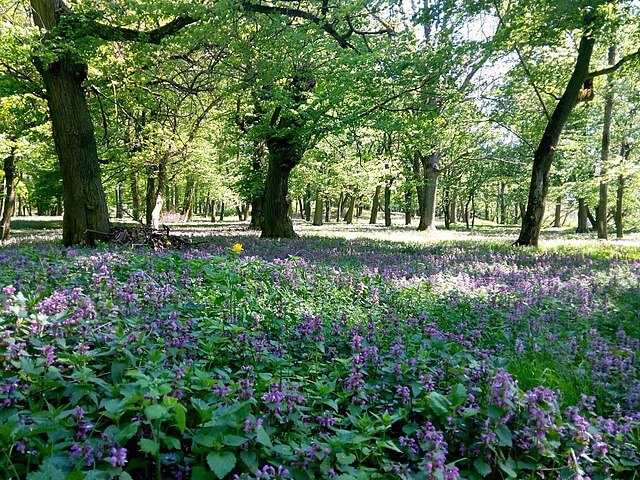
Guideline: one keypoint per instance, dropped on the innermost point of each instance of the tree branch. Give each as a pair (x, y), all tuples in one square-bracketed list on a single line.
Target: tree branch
[(614, 67), (114, 33)]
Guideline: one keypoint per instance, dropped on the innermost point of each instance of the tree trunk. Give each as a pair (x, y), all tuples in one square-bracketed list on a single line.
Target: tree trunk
[(557, 218), (187, 204), (453, 212), (348, 218), (387, 205), (214, 208), (85, 207), (543, 157), (502, 204), (155, 188), (10, 195), (592, 220), (430, 172), (257, 212), (318, 211), (582, 216), (282, 160), (135, 198), (307, 204), (327, 211), (604, 153), (375, 206), (617, 216), (221, 216), (340, 206), (119, 207), (408, 203)]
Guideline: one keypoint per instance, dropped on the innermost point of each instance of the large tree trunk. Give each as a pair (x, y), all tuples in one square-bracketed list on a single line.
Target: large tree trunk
[(155, 188), (604, 152), (430, 172), (375, 206), (282, 160), (9, 195), (348, 217), (543, 157), (318, 210), (86, 217)]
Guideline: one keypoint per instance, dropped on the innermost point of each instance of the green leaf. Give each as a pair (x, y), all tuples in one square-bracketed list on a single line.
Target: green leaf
[(125, 476), (200, 473), (155, 411), (250, 459), (345, 458), (504, 435), (221, 463), (234, 440), (181, 417), (439, 403), (263, 438), (458, 395), (149, 446), (482, 468), (508, 467)]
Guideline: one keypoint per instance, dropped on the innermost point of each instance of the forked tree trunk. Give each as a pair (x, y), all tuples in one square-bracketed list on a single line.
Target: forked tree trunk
[(375, 206), (318, 210), (85, 206), (348, 217), (604, 152), (9, 196), (543, 157)]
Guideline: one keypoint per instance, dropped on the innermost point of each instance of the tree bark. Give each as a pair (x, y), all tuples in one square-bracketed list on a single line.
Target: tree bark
[(557, 218), (543, 157), (348, 218), (187, 204), (582, 216), (327, 211), (257, 212), (430, 173), (617, 216), (155, 188), (502, 203), (604, 152), (387, 205), (85, 206), (408, 204), (10, 195), (307, 203), (135, 198), (283, 157), (318, 210), (119, 201), (221, 217), (375, 206)]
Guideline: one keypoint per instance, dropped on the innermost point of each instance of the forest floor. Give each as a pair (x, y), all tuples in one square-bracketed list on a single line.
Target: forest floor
[(353, 352)]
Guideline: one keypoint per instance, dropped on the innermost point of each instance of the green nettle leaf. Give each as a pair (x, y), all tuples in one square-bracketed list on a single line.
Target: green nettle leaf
[(250, 459), (504, 435), (221, 463), (508, 467), (263, 438), (234, 440), (482, 467), (181, 417), (155, 411), (149, 446), (439, 403), (458, 395)]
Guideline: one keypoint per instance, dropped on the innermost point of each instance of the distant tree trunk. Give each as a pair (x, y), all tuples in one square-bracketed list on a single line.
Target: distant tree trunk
[(221, 216), (582, 216), (604, 152), (430, 171), (557, 218), (387, 205), (155, 188), (502, 203), (452, 211), (340, 207), (239, 212), (592, 220), (307, 203), (375, 206), (135, 198), (187, 204), (327, 211), (348, 218), (318, 210), (214, 207), (625, 152), (467, 213), (408, 204), (543, 157), (257, 212), (119, 207), (9, 195)]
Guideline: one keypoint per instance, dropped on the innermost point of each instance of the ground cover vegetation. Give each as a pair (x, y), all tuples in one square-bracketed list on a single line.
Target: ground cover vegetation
[(456, 356), (320, 358)]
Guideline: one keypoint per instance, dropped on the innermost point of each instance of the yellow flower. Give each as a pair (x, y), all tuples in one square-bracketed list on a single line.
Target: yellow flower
[(237, 248)]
